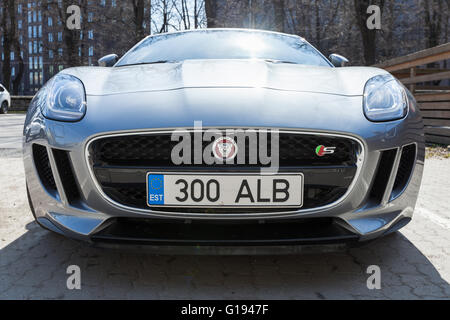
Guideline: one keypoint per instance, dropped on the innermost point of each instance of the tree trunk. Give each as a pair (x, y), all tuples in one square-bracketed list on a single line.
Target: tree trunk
[(138, 10), (433, 21), (211, 13), (195, 14), (70, 38), (368, 36), (280, 15), (318, 26), (7, 42), (19, 73), (16, 44)]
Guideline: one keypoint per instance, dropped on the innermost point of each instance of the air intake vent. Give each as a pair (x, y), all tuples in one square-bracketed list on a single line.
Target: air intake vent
[(404, 170), (232, 233), (43, 167), (382, 175), (67, 176)]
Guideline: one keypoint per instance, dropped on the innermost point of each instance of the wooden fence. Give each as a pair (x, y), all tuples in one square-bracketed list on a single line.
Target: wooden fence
[(427, 74)]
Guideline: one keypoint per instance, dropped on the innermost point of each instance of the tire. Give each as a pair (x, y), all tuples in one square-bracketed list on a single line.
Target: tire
[(4, 108)]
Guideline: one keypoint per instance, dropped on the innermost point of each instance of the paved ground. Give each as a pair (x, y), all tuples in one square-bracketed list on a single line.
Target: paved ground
[(11, 126), (415, 263)]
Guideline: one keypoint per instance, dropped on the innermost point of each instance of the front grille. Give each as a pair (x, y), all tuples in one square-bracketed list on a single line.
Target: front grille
[(405, 167), (135, 196), (155, 150), (120, 164), (43, 168)]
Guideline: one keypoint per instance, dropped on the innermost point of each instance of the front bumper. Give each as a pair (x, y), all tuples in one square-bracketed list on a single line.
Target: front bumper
[(94, 218)]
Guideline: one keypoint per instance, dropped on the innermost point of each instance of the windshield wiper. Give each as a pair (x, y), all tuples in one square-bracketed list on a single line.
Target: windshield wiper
[(151, 62), (279, 61), (174, 61)]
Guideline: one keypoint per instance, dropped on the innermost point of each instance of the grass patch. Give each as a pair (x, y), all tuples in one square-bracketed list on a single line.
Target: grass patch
[(437, 151), (17, 112)]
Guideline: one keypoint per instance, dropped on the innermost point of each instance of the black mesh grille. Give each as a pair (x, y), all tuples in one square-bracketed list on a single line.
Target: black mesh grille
[(155, 150), (67, 176), (404, 168), (43, 167), (120, 164)]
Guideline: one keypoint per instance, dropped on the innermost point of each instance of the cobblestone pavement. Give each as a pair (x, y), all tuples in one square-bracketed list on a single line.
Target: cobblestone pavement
[(415, 262)]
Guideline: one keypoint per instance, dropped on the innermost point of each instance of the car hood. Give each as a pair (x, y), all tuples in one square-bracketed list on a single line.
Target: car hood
[(348, 81)]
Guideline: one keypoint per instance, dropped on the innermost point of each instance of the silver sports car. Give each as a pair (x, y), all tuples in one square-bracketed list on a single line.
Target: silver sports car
[(223, 138)]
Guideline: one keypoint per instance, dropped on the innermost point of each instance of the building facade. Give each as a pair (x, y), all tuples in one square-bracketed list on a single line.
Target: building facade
[(48, 45)]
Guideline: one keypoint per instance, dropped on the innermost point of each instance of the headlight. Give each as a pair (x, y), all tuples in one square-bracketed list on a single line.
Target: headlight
[(384, 99), (65, 99)]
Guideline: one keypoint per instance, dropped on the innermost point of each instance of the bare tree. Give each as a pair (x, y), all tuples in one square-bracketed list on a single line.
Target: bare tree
[(189, 13), (211, 7), (280, 15), (435, 11), (183, 12), (5, 27), (69, 52), (11, 46), (164, 10), (199, 7), (132, 17), (325, 18), (19, 72), (139, 18)]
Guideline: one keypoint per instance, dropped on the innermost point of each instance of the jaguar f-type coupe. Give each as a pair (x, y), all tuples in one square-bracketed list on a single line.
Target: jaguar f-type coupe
[(223, 139)]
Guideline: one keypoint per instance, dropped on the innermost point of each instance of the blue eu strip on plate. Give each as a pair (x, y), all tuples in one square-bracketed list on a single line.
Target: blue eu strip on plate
[(155, 187)]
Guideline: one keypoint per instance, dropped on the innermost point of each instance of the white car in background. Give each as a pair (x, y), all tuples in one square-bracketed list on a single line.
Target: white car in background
[(5, 100)]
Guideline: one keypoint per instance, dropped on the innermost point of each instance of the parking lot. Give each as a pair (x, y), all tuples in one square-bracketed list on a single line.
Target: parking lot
[(414, 263)]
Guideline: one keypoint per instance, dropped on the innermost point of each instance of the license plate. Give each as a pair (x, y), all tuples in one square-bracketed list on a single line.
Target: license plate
[(224, 190)]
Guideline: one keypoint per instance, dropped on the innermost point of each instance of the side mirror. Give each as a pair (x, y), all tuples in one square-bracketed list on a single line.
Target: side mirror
[(338, 60), (108, 61)]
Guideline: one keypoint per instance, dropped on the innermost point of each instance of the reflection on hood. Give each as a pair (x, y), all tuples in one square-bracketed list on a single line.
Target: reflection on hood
[(226, 74)]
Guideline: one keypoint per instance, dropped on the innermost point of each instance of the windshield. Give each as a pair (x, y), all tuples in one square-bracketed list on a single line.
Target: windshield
[(223, 44)]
